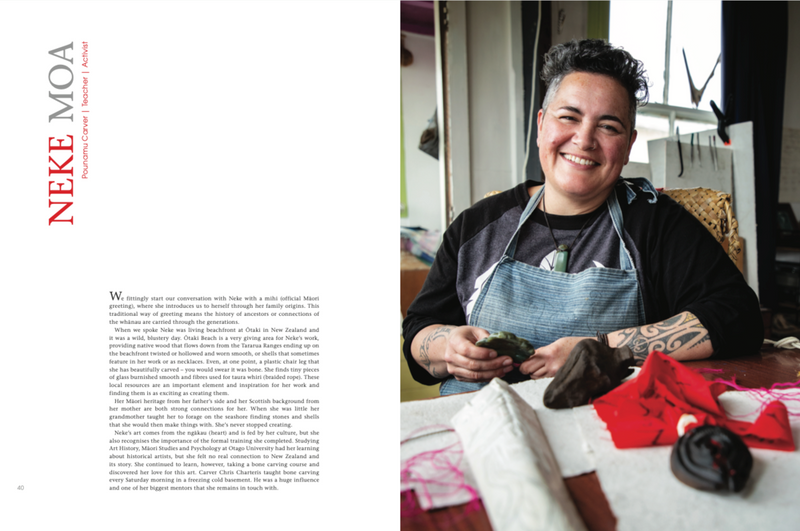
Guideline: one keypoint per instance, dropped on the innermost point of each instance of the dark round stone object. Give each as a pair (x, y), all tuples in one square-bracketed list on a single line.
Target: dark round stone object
[(711, 458), (591, 370)]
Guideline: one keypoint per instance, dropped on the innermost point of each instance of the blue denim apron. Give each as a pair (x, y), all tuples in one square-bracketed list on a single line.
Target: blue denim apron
[(543, 306)]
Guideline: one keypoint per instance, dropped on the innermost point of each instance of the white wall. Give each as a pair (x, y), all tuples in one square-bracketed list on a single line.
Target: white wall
[(490, 81), (496, 108), (570, 21), (419, 102)]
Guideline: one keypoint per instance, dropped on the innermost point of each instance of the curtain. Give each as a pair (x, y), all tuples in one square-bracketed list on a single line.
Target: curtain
[(754, 41)]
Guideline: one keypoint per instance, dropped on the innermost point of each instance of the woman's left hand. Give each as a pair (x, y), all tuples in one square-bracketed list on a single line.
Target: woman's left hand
[(548, 359)]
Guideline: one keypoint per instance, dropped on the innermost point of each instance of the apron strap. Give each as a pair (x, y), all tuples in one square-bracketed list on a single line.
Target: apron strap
[(625, 259), (511, 248)]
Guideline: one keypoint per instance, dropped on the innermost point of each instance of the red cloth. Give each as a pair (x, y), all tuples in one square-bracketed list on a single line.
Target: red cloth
[(645, 411)]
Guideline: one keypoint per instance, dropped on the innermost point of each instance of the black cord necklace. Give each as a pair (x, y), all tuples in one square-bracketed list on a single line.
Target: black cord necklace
[(562, 251)]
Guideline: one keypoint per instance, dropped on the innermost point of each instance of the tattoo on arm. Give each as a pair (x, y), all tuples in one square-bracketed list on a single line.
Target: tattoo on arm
[(427, 346), (684, 331)]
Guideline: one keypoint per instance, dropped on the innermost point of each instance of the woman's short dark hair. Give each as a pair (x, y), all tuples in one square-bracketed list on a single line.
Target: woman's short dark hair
[(595, 56)]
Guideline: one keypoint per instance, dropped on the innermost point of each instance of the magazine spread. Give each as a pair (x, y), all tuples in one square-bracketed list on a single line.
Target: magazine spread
[(200, 288)]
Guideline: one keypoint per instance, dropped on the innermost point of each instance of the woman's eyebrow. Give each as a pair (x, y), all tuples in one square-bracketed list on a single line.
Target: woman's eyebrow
[(612, 118)]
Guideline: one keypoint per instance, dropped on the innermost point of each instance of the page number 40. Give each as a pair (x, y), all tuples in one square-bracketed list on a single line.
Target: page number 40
[(21, 487)]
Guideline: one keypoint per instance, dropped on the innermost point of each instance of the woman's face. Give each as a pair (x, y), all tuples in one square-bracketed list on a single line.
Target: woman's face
[(585, 139)]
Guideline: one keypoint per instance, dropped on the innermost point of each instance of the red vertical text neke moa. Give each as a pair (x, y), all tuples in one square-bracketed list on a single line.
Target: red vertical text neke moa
[(59, 154)]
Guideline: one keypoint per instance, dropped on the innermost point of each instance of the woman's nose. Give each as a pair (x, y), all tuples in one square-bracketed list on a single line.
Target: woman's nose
[(584, 138)]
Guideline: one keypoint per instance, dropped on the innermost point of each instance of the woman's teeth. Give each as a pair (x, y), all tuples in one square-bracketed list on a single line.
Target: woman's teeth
[(577, 160)]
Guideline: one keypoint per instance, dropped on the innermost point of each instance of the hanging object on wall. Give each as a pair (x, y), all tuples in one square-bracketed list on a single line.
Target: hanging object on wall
[(406, 57), (722, 120), (695, 162), (429, 141), (697, 95)]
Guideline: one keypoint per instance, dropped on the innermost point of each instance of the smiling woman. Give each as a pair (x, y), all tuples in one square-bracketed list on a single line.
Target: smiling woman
[(585, 254), (585, 138)]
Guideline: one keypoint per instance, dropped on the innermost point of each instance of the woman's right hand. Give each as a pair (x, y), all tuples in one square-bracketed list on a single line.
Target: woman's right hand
[(452, 349), (468, 363)]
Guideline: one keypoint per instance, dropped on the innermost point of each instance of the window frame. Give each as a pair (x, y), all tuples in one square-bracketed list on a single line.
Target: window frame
[(673, 113)]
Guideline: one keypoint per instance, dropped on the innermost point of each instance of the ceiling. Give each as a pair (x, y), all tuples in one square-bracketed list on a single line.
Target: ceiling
[(417, 17)]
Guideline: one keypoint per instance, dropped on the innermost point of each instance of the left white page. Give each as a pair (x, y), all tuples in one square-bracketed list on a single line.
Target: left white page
[(233, 148)]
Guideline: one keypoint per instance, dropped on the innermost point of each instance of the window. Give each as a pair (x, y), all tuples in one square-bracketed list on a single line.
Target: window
[(657, 32)]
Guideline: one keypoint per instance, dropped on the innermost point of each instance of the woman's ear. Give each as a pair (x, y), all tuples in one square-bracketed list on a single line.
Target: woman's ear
[(539, 119)]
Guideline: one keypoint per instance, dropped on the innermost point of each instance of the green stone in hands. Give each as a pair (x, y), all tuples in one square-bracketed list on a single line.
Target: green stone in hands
[(507, 344)]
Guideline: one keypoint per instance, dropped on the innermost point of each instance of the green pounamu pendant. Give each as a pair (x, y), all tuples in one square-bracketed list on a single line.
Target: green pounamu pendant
[(562, 255)]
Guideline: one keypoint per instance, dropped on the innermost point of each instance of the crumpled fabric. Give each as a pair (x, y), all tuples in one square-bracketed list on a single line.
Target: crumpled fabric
[(645, 411), (516, 471)]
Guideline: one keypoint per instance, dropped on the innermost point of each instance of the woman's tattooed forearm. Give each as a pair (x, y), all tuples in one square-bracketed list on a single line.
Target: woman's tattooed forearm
[(684, 331), (427, 345)]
